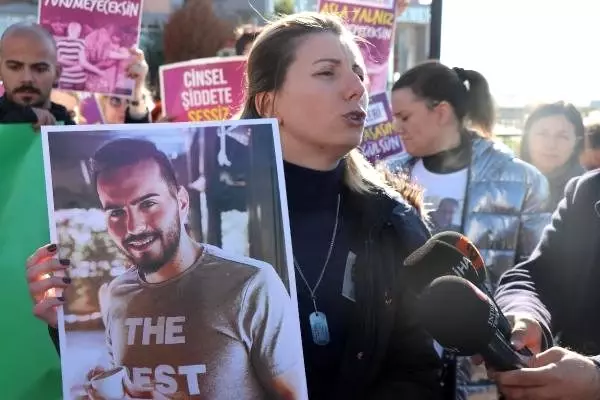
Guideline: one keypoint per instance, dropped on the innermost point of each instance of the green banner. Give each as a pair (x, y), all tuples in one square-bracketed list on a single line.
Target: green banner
[(30, 367)]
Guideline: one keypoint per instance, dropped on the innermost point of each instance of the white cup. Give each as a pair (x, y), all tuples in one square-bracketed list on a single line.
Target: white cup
[(110, 384)]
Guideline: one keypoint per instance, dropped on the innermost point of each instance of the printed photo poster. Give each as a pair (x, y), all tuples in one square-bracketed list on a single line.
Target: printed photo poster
[(207, 89), (180, 260), (94, 39), (444, 196), (375, 21), (380, 141)]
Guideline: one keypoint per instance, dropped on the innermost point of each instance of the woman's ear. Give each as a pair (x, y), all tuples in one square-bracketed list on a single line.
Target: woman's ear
[(264, 103), (444, 113)]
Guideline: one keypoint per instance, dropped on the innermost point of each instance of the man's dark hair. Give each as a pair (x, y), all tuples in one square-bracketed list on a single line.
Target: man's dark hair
[(120, 153), (448, 200), (243, 41)]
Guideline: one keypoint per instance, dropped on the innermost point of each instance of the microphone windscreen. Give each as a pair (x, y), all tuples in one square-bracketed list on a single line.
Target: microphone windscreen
[(458, 315), (435, 259), (465, 246)]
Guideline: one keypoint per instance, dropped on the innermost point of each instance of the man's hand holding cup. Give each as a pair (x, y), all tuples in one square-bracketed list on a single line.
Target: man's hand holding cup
[(115, 384)]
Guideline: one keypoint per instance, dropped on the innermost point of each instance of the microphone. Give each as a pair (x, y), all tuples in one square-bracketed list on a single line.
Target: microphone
[(467, 248), (463, 319), (439, 258)]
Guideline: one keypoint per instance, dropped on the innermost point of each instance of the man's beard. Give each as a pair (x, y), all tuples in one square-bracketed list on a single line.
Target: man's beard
[(28, 89), (149, 263)]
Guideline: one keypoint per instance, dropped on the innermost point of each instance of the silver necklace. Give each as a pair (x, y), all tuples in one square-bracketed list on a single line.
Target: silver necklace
[(317, 319)]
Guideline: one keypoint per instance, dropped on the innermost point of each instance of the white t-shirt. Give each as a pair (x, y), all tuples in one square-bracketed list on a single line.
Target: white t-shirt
[(444, 196)]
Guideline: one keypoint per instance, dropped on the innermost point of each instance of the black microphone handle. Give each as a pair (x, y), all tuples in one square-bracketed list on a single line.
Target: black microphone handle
[(501, 356), (504, 326)]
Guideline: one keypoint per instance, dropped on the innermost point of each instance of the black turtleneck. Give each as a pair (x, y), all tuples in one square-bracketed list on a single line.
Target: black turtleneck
[(312, 201), (453, 160)]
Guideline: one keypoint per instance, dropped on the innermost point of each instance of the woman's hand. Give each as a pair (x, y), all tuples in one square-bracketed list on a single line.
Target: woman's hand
[(45, 275)]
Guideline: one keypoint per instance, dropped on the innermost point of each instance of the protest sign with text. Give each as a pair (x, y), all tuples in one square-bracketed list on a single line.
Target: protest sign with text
[(208, 89), (374, 21), (380, 141)]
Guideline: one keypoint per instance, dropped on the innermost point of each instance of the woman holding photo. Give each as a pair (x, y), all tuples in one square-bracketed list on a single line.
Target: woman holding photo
[(352, 225)]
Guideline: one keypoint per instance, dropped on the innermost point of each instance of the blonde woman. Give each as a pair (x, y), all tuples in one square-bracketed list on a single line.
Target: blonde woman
[(351, 226)]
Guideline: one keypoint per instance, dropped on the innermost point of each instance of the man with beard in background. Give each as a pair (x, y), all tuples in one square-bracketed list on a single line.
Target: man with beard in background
[(29, 69), (187, 317)]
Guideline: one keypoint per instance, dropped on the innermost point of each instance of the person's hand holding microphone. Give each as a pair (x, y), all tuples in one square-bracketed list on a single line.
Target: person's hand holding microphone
[(526, 332), (555, 374)]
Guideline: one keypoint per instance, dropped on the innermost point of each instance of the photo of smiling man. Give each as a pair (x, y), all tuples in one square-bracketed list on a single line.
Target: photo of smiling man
[(183, 319)]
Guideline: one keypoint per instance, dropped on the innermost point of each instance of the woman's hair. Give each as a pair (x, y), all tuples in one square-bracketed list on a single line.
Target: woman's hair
[(273, 51), (560, 108), (75, 114), (466, 91), (593, 134)]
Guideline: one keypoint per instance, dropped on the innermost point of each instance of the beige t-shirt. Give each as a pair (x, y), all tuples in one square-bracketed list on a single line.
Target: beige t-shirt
[(220, 330)]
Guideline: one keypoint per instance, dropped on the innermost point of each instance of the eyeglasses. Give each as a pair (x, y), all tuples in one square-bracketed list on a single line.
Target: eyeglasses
[(117, 101)]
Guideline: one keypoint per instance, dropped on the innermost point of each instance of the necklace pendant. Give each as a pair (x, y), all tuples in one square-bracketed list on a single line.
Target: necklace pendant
[(319, 328)]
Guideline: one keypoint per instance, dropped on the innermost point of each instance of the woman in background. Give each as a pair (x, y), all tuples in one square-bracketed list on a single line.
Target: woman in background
[(590, 158), (114, 109), (445, 127), (553, 141), (71, 101)]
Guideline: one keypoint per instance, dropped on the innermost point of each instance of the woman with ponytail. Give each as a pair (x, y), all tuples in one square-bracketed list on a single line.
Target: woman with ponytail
[(472, 184)]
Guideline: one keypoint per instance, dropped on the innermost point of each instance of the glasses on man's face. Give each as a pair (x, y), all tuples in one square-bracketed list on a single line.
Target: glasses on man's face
[(117, 101)]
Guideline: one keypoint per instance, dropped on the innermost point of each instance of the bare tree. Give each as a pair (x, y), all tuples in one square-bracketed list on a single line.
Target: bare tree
[(284, 7), (195, 31)]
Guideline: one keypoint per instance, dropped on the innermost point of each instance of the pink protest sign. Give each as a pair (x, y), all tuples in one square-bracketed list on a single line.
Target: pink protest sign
[(94, 39), (207, 89), (90, 109), (380, 141), (373, 20)]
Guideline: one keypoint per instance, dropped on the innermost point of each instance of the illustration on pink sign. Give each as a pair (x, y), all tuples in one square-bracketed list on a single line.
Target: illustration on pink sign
[(93, 41)]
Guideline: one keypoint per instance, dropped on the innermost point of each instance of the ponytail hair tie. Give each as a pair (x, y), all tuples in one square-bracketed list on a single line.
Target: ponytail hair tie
[(462, 75)]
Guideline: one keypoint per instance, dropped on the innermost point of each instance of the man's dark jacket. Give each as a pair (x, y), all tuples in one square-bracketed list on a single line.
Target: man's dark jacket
[(558, 285), (13, 113)]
